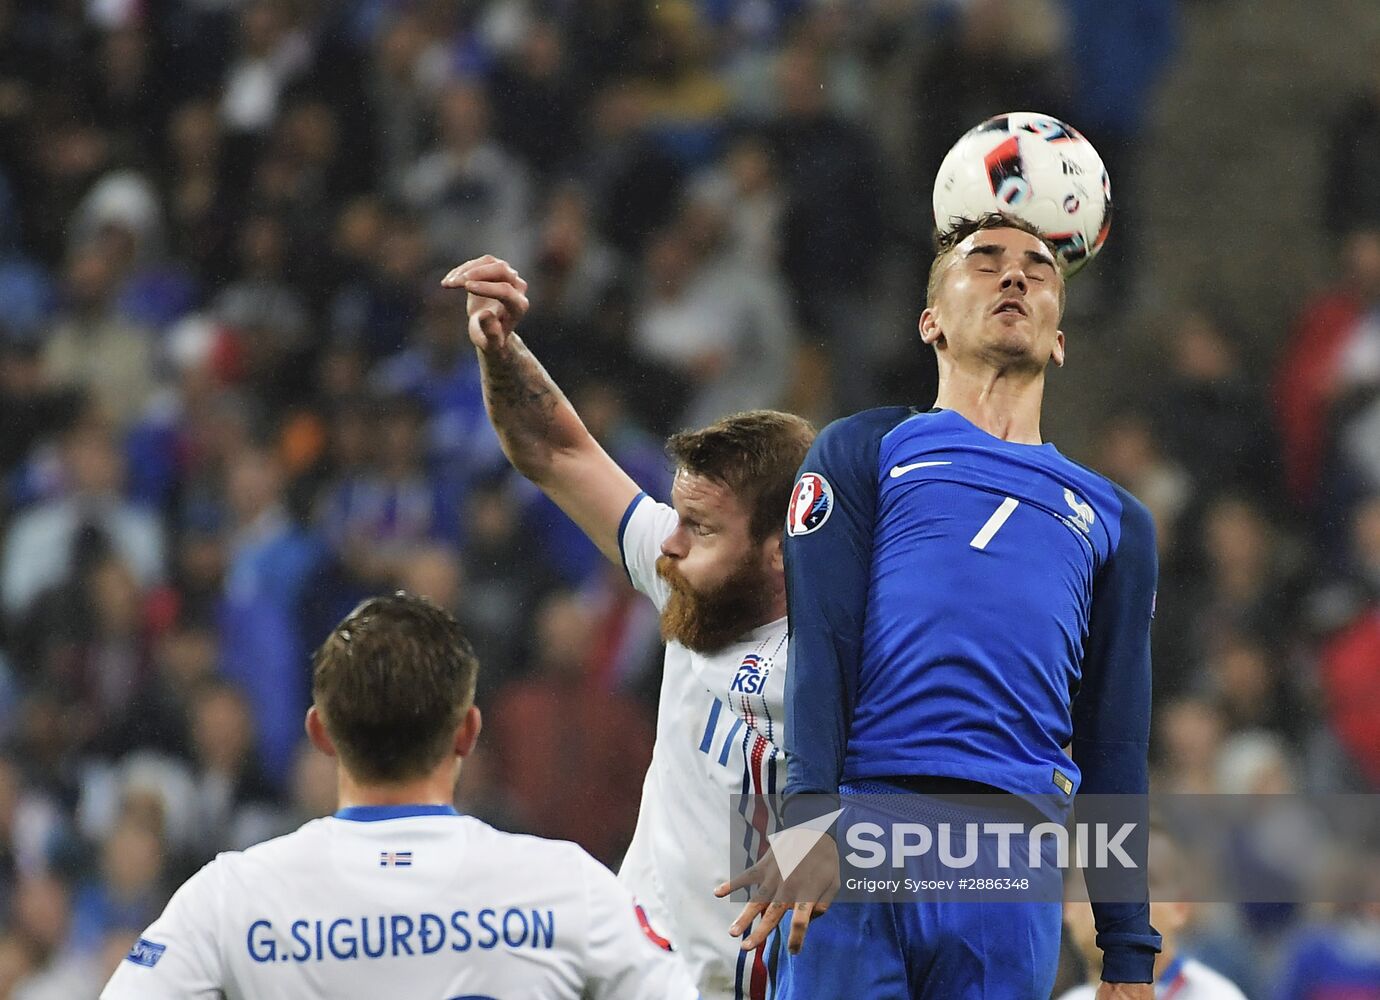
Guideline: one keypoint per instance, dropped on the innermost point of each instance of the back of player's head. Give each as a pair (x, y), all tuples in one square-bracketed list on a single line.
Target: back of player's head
[(392, 683), (755, 454), (948, 241)]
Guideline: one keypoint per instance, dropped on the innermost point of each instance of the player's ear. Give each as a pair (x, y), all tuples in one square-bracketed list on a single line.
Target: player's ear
[(776, 555), (316, 732), (930, 333), (1057, 355), (468, 733)]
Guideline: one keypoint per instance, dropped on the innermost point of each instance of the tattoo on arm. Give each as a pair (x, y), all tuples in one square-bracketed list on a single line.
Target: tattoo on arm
[(519, 387), (529, 411)]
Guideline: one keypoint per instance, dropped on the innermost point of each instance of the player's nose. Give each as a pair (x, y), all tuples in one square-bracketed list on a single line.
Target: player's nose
[(1014, 278), (673, 545)]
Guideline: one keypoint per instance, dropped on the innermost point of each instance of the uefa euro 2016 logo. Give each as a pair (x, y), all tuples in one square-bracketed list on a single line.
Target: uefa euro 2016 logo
[(812, 501)]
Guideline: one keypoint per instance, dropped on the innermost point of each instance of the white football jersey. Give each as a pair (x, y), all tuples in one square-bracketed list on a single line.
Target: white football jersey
[(720, 733), (1184, 979), (412, 902)]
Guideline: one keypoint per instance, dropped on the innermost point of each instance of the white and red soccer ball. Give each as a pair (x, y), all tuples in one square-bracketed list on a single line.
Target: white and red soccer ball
[(1034, 167)]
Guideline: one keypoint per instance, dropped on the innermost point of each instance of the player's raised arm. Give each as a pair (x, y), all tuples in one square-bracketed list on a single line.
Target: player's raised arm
[(1111, 728), (540, 431)]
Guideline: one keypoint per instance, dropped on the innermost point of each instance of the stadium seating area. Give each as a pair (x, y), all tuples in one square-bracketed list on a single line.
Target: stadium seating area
[(234, 398)]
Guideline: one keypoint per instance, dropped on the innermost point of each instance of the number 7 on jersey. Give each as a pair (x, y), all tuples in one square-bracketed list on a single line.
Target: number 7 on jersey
[(994, 523)]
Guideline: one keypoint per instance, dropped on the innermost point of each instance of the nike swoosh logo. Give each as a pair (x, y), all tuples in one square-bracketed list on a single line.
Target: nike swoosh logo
[(901, 470)]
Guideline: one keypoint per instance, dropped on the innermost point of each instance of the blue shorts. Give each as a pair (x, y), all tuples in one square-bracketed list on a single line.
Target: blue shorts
[(943, 949)]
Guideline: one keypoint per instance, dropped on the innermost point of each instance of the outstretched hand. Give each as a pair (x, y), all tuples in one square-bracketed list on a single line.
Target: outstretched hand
[(496, 302), (807, 893)]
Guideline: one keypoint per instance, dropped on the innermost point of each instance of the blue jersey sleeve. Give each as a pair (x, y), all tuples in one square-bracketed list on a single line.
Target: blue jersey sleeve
[(828, 555), (1111, 725)]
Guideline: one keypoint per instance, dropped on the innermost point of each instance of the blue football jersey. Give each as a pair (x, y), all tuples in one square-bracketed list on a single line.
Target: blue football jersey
[(967, 607)]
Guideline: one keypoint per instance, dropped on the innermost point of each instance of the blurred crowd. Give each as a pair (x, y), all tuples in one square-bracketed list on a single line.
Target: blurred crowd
[(235, 400)]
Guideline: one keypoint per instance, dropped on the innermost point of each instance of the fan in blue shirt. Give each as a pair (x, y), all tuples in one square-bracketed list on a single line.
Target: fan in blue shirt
[(965, 603)]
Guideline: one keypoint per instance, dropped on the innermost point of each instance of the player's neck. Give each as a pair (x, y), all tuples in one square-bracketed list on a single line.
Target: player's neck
[(1004, 405), (435, 789)]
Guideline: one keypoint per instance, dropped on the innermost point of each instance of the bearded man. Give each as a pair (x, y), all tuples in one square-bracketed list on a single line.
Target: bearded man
[(712, 563)]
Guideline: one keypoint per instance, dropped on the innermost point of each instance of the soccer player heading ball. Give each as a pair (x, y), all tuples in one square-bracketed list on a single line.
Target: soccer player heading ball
[(397, 895), (964, 603)]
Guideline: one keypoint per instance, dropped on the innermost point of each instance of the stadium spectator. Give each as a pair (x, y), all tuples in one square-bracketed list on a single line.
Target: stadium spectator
[(41, 547), (91, 345), (269, 563), (128, 891), (200, 215), (42, 917), (184, 660), (726, 328), (1130, 452), (79, 974), (1247, 585), (434, 572), (16, 964), (1252, 687), (375, 517), (438, 369), (32, 410), (378, 298), (236, 805), (1211, 416), (1118, 54), (123, 90), (832, 223), (90, 638), (536, 108), (505, 574), (1338, 957), (680, 81), (744, 187), (566, 745), (266, 312), (270, 55), (1311, 373), (409, 66), (1189, 734), (469, 189), (313, 786), (634, 182), (1353, 140), (572, 260), (25, 286), (1347, 670)]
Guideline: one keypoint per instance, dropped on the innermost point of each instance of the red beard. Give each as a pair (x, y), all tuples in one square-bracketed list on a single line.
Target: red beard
[(708, 621)]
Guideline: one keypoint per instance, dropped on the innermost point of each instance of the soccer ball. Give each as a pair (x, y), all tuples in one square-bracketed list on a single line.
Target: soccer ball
[(1036, 168)]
